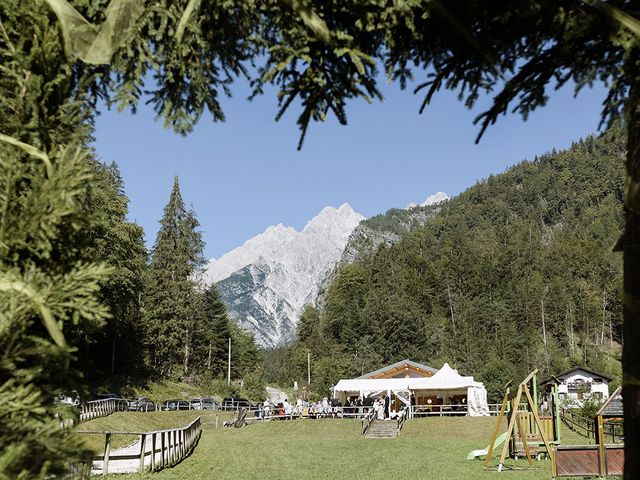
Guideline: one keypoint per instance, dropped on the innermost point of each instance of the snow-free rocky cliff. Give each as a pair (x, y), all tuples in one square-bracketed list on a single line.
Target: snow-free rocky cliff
[(390, 227), (268, 281)]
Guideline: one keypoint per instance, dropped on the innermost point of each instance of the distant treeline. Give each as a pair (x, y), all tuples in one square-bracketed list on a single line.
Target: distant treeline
[(517, 272)]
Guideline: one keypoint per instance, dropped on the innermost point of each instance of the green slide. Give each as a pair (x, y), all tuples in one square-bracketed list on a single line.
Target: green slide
[(481, 453)]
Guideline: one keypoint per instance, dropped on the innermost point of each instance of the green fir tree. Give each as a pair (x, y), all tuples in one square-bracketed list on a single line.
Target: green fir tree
[(172, 299)]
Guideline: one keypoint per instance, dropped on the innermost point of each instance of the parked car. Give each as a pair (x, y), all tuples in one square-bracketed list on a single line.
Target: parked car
[(173, 405), (142, 404), (107, 396), (203, 404), (235, 403), (71, 399)]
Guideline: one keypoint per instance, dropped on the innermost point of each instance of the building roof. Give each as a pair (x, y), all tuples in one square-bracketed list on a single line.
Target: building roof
[(613, 406), (596, 374), (446, 378), (398, 366)]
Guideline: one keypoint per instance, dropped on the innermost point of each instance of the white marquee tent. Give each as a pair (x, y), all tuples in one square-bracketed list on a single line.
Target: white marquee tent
[(446, 379)]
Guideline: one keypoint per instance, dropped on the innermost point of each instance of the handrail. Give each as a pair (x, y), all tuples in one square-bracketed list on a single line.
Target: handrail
[(583, 426), (122, 432), (367, 421), (158, 449), (402, 416), (101, 408)]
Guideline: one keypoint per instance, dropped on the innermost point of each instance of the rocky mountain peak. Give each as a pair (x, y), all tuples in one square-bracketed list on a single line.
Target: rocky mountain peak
[(268, 280)]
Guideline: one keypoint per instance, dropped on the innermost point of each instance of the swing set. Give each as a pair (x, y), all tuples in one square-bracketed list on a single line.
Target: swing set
[(528, 434)]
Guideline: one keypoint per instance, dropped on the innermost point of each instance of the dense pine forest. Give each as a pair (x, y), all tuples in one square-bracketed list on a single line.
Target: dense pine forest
[(517, 272)]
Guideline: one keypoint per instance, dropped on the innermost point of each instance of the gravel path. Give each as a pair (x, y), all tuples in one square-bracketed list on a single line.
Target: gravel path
[(276, 396), (127, 465)]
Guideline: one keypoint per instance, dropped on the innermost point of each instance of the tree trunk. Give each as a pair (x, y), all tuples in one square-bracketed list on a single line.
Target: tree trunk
[(453, 320), (544, 329), (631, 245), (113, 352), (187, 351)]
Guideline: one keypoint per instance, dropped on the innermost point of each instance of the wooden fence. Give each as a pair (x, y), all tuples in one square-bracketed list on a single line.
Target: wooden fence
[(587, 461), (153, 450), (583, 426), (102, 408), (530, 428), (586, 427), (448, 410)]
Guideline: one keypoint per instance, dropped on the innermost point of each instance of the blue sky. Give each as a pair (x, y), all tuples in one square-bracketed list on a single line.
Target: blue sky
[(245, 174)]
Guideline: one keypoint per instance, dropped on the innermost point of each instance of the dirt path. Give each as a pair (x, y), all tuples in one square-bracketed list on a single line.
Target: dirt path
[(276, 396), (127, 465)]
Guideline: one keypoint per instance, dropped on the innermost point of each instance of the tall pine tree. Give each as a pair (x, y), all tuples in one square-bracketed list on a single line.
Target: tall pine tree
[(217, 331), (172, 303), (117, 347)]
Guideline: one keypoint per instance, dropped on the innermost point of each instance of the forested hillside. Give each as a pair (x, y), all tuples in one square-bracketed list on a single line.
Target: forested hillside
[(386, 229), (515, 273)]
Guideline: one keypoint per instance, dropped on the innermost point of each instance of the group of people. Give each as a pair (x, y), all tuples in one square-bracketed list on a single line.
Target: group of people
[(353, 407), (382, 407)]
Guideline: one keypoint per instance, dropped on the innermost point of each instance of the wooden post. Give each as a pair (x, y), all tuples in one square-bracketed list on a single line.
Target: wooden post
[(556, 413), (602, 459), (175, 453), (153, 451), (534, 390), (512, 421), (496, 430), (107, 451), (523, 437), (143, 439), (537, 419), (162, 450)]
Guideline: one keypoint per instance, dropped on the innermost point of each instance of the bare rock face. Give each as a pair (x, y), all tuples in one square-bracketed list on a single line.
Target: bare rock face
[(267, 281), (386, 229), (390, 227)]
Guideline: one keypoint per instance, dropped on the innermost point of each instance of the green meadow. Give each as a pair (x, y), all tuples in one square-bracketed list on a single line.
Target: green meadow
[(430, 448)]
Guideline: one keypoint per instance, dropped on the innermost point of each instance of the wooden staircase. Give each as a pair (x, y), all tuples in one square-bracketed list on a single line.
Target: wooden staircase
[(382, 429)]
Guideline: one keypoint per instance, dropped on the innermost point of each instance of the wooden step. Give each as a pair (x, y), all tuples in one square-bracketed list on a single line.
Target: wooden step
[(382, 429)]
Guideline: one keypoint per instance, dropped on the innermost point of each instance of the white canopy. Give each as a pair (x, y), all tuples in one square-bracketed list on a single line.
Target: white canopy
[(446, 378)]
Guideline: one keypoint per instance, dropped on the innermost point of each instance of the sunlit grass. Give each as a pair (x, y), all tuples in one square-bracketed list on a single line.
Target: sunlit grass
[(143, 422), (431, 448)]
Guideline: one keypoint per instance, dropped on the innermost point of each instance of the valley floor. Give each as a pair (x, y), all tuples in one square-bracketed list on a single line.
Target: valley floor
[(432, 448)]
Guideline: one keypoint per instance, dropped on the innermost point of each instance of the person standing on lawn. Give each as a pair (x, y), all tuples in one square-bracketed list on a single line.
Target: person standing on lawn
[(387, 406)]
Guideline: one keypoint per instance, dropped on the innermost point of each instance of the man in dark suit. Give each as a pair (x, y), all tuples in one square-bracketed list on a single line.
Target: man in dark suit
[(387, 406)]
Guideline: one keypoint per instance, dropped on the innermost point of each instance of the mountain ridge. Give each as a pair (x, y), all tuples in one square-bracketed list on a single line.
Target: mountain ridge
[(268, 280)]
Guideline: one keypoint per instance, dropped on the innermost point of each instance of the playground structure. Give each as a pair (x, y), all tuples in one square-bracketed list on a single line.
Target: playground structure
[(594, 460), (528, 434)]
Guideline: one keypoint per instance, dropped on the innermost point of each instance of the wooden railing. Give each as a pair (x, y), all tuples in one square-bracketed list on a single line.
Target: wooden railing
[(367, 421), (157, 450), (448, 410), (102, 408), (402, 416), (583, 426), (530, 428)]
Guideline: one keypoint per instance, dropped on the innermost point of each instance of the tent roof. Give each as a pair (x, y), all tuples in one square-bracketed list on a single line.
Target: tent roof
[(444, 379), (399, 365)]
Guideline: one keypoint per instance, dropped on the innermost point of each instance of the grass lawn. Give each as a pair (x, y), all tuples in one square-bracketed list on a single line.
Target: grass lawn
[(431, 448), (143, 422)]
